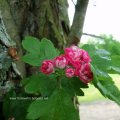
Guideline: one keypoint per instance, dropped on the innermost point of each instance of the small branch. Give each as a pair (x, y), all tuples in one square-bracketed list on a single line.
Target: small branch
[(78, 21), (92, 35), (73, 2)]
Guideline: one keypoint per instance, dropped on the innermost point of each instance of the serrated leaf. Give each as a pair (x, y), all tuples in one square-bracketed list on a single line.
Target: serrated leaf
[(73, 86), (101, 73), (32, 59), (115, 65), (100, 57), (47, 49), (89, 48), (38, 51), (114, 70), (58, 107), (31, 44), (40, 83), (107, 87), (101, 62), (102, 52)]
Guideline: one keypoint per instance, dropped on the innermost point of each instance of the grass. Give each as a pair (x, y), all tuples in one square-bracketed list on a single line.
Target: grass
[(92, 94)]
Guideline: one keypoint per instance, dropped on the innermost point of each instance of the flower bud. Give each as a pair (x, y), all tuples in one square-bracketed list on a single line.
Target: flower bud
[(84, 73), (60, 62), (69, 72), (47, 67)]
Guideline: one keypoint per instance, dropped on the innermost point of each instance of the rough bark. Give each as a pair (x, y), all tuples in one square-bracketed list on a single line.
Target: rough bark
[(13, 32), (39, 18)]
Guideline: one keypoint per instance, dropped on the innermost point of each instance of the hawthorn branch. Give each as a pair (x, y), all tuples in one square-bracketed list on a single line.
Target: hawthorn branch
[(73, 2), (78, 22), (92, 35)]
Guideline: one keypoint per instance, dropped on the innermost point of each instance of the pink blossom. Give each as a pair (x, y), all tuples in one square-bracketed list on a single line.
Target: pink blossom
[(85, 56), (84, 72), (69, 72), (76, 56), (73, 55), (47, 67), (60, 62)]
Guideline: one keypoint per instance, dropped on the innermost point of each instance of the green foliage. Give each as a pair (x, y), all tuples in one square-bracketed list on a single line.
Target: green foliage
[(113, 47), (73, 85), (38, 50), (106, 86), (14, 107), (58, 107), (110, 44), (61, 90), (100, 57), (103, 63), (40, 84), (115, 67)]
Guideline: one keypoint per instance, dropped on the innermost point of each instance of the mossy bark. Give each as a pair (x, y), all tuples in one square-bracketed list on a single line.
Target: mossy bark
[(42, 18), (39, 18)]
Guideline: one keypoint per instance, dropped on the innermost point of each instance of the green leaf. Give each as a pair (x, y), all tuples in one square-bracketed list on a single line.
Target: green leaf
[(100, 57), (47, 49), (40, 83), (115, 60), (73, 85), (38, 51), (102, 53), (32, 59), (115, 66), (106, 86), (58, 107), (89, 48), (101, 62), (92, 50), (114, 70), (31, 44), (100, 73), (13, 107)]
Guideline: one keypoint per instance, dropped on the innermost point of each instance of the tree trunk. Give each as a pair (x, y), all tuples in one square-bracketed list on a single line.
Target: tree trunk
[(42, 18), (39, 18)]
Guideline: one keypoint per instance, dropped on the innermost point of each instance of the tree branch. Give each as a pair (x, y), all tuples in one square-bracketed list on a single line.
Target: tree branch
[(78, 22), (73, 2), (92, 35)]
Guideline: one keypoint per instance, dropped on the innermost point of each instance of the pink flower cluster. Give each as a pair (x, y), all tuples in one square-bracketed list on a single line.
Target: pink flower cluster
[(75, 61)]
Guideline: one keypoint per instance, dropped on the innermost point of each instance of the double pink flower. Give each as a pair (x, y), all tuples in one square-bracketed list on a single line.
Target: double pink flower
[(75, 60), (60, 61), (47, 67)]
